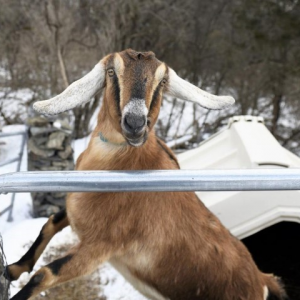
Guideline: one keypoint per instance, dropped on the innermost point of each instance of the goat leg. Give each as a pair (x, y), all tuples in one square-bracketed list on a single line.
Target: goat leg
[(55, 223)]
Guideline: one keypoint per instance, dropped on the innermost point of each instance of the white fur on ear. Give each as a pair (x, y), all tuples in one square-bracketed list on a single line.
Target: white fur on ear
[(184, 90), (78, 93)]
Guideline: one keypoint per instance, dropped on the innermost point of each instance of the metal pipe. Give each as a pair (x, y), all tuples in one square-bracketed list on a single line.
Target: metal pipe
[(170, 180), (20, 155), (8, 134)]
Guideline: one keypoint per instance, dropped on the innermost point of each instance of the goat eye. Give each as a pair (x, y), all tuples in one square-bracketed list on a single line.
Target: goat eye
[(110, 72), (163, 82)]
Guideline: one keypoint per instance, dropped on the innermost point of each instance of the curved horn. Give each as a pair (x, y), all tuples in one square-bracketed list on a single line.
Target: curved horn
[(186, 91), (79, 92)]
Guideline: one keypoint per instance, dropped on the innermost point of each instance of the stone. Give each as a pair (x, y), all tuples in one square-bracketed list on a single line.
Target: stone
[(54, 158), (40, 140), (51, 168), (63, 164), (63, 124), (40, 163), (59, 195), (56, 140), (66, 153), (40, 130), (57, 202), (37, 121), (47, 210), (40, 152)]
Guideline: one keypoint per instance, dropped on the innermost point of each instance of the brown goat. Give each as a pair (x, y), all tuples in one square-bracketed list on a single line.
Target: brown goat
[(168, 245)]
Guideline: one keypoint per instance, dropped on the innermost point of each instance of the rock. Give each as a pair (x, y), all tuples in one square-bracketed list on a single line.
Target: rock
[(57, 202), (51, 168), (54, 158), (40, 140), (56, 140), (40, 130), (59, 195), (37, 164), (63, 164), (43, 153), (66, 153), (63, 124), (37, 121), (47, 210)]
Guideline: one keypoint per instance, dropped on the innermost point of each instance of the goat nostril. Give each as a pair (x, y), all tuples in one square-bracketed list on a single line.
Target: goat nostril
[(134, 123), (127, 123)]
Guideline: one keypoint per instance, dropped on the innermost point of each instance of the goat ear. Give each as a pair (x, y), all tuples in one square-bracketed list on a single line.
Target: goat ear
[(78, 93), (184, 90)]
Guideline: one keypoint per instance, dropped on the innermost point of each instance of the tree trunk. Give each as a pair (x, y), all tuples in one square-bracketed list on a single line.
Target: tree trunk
[(276, 112)]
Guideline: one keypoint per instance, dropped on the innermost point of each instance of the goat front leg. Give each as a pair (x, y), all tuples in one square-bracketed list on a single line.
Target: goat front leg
[(81, 260), (55, 223)]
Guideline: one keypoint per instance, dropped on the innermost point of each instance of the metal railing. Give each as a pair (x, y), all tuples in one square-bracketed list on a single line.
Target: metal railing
[(137, 181), (18, 159)]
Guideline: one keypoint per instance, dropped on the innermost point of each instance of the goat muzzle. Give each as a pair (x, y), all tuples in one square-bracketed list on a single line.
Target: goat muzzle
[(134, 129)]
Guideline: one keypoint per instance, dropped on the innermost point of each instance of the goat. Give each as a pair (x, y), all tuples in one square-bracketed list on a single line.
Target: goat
[(168, 245)]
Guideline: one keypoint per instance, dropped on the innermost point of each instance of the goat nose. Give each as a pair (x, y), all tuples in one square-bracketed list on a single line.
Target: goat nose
[(134, 123)]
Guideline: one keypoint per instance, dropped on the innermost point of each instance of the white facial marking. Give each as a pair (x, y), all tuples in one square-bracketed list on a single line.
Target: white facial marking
[(119, 64), (136, 107), (119, 69), (160, 73)]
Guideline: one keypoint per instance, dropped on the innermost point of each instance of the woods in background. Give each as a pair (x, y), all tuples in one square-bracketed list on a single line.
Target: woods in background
[(249, 49)]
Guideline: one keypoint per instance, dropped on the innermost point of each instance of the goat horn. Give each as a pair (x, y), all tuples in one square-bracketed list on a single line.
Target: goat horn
[(184, 90), (78, 93)]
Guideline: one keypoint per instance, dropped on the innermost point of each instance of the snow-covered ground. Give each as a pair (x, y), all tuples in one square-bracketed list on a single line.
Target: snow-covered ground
[(23, 230), (9, 149)]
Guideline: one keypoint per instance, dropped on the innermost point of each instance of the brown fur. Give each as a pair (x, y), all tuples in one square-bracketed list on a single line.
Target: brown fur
[(169, 241)]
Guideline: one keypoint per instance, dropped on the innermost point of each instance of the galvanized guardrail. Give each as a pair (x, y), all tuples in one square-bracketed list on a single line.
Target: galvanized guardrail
[(137, 181)]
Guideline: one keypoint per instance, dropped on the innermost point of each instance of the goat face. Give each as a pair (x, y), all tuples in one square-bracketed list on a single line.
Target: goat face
[(134, 83), (134, 86)]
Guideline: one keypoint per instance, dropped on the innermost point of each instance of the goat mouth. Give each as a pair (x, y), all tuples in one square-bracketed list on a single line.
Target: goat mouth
[(136, 142)]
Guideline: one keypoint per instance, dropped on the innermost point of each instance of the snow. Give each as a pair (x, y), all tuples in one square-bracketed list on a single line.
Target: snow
[(179, 141), (10, 149), (14, 103), (79, 146), (23, 230)]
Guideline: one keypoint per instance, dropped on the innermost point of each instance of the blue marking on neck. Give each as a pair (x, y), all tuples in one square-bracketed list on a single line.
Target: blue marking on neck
[(105, 140)]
